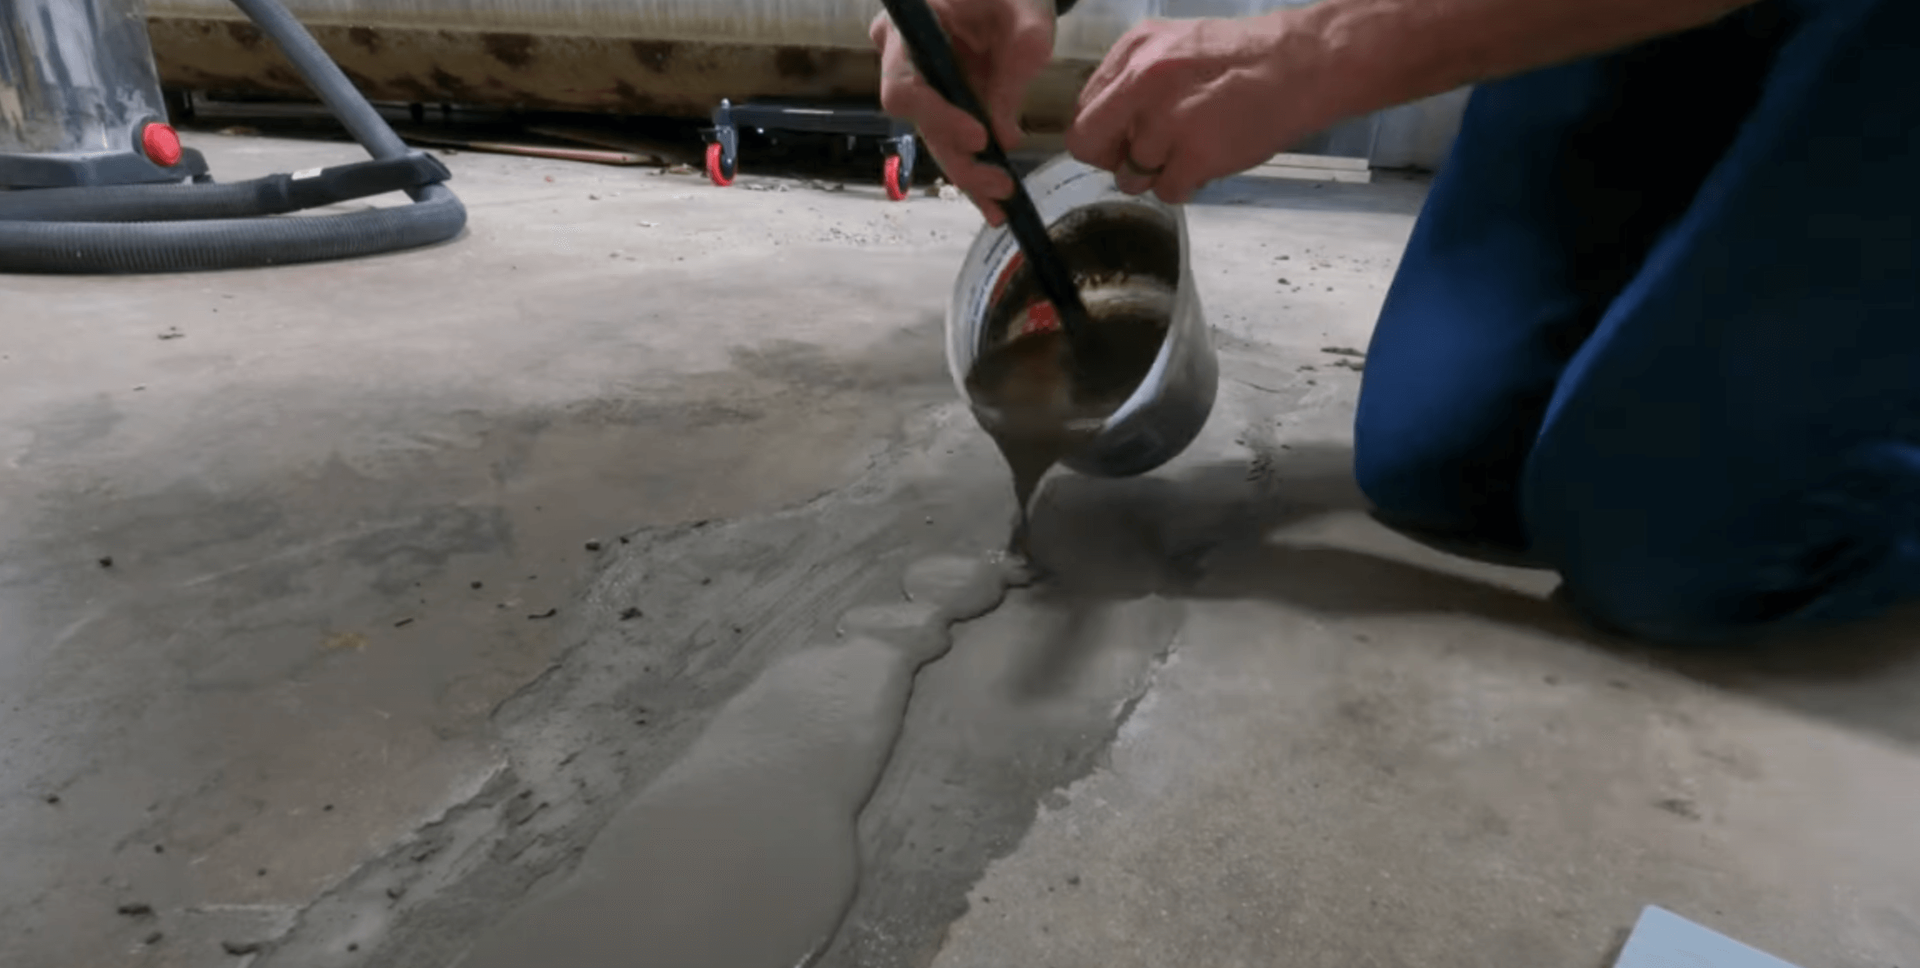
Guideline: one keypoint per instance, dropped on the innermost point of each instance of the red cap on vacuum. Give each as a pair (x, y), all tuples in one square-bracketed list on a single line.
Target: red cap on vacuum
[(161, 143)]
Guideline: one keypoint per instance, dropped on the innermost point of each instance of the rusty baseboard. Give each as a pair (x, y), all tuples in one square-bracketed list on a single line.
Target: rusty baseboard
[(546, 72)]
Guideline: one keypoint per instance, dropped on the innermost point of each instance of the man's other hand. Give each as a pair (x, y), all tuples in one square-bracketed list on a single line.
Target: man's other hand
[(1001, 45)]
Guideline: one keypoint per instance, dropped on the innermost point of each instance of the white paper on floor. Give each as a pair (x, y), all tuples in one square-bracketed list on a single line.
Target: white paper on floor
[(1663, 939)]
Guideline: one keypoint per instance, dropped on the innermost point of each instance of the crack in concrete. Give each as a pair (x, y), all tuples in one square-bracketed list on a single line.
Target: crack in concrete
[(980, 754)]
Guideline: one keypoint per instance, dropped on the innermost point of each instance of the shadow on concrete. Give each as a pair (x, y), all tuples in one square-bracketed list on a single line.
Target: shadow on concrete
[(1207, 534)]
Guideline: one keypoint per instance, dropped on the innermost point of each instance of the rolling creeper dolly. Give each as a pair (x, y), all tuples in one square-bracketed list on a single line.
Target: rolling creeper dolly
[(849, 120)]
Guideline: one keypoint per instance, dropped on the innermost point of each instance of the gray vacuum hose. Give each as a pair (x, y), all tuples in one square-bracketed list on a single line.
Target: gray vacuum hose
[(172, 228)]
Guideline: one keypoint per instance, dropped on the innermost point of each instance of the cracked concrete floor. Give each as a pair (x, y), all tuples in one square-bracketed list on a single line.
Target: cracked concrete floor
[(336, 625)]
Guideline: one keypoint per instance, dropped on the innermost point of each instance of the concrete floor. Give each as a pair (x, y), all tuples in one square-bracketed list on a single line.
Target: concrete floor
[(353, 686)]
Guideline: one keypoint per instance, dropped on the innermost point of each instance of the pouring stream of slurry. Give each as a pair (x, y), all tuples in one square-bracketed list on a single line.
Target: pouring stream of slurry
[(743, 854), (1039, 410), (1031, 391)]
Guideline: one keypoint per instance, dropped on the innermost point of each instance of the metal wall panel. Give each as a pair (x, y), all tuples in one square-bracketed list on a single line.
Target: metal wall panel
[(668, 57)]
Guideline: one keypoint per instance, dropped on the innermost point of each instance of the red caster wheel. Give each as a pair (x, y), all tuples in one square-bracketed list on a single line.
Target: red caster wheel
[(720, 168), (896, 179)]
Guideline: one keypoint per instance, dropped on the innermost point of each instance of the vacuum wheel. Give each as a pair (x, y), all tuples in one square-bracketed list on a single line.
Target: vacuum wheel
[(720, 168), (898, 179)]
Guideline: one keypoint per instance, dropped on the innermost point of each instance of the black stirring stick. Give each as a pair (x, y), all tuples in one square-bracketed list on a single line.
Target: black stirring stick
[(932, 54)]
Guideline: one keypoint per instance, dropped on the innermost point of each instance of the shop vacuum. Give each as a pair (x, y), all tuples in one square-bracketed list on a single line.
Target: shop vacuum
[(94, 180)]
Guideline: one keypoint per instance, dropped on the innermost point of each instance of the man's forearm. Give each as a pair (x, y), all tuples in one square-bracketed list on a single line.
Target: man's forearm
[(1379, 53)]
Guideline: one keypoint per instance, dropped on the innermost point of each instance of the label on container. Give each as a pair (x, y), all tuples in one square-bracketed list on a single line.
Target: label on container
[(1006, 276)]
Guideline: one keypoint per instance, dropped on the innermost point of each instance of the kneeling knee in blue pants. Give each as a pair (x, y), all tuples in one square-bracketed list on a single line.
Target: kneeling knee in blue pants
[(1658, 327)]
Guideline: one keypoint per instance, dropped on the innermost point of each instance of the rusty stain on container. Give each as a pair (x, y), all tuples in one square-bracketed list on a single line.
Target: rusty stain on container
[(513, 50), (656, 55), (360, 81), (795, 62), (455, 87), (245, 34), (562, 72)]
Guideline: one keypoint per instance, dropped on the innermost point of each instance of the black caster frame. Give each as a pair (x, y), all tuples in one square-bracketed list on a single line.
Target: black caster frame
[(849, 119)]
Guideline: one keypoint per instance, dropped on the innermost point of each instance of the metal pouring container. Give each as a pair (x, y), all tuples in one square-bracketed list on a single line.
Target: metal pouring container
[(1171, 405)]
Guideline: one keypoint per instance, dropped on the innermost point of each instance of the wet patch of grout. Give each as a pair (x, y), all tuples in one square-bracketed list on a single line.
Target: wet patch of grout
[(743, 853)]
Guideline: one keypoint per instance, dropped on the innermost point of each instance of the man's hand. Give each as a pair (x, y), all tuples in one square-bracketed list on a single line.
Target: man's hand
[(1179, 103), (1002, 45)]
